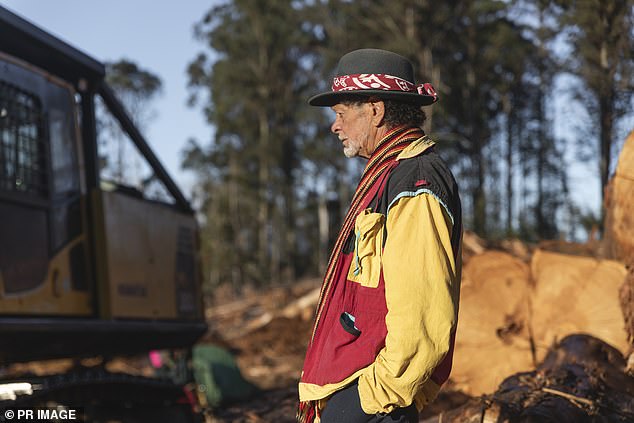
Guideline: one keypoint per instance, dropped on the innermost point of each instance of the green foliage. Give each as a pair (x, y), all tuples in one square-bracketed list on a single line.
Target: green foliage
[(127, 79), (136, 88), (272, 174), (260, 73), (602, 38)]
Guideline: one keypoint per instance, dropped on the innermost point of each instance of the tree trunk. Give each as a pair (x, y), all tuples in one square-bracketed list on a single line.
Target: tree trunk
[(606, 111), (261, 64), (276, 240), (424, 54), (542, 230), (234, 198), (509, 165), (475, 131), (263, 201), (479, 199)]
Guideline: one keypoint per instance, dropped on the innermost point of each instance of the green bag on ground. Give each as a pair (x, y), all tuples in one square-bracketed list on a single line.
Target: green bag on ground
[(218, 375)]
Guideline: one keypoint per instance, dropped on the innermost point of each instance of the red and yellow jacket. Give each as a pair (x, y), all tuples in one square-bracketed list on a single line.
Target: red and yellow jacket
[(391, 318)]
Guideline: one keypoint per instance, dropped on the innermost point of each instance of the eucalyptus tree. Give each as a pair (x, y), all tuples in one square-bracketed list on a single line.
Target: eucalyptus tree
[(543, 171), (484, 61), (250, 81), (601, 33), (467, 49), (136, 88)]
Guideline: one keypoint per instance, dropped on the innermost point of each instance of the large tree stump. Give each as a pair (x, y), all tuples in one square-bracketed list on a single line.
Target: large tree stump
[(618, 242), (492, 341), (575, 294), (626, 295), (619, 206)]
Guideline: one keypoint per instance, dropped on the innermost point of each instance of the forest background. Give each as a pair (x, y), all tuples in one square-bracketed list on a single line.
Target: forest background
[(272, 183)]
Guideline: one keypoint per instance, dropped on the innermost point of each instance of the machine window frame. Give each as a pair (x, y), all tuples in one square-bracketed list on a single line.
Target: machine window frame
[(24, 148)]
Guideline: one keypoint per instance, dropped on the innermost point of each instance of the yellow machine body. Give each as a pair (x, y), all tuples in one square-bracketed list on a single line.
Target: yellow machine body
[(86, 266)]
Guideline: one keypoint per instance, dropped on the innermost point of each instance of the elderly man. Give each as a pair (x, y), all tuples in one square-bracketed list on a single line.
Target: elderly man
[(384, 329)]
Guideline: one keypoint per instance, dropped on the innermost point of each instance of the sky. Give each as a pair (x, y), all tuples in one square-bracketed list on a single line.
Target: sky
[(158, 36)]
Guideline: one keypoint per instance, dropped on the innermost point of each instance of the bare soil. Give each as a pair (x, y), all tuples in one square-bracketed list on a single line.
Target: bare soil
[(269, 347)]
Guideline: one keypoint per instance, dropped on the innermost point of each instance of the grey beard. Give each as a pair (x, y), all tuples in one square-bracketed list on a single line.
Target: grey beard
[(351, 151)]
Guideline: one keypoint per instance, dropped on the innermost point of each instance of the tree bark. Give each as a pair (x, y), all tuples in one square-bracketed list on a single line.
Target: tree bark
[(509, 164), (606, 111)]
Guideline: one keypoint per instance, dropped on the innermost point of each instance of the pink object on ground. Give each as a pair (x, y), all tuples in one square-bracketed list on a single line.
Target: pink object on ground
[(155, 359)]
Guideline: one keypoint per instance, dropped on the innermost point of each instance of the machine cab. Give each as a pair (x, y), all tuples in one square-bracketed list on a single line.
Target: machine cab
[(80, 256)]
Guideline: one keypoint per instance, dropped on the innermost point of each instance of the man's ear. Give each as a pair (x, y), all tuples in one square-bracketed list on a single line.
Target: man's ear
[(378, 112)]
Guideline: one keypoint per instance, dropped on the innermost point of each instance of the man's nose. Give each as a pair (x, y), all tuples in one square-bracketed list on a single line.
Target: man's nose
[(336, 126)]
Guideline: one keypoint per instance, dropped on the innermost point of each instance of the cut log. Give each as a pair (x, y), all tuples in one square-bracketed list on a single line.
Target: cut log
[(472, 245), (626, 295), (581, 380), (303, 307), (575, 294), (492, 340), (618, 241), (619, 205), (517, 248)]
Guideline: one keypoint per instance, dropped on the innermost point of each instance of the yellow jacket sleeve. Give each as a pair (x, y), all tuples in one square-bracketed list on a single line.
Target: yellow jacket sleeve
[(422, 293)]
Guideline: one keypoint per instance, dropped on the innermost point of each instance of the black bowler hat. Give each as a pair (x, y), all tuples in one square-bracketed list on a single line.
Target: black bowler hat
[(376, 73)]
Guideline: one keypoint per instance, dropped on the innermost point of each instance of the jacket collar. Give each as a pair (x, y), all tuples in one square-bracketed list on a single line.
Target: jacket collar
[(416, 148)]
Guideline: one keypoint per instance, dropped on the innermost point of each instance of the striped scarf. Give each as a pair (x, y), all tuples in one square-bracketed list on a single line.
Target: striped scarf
[(383, 158)]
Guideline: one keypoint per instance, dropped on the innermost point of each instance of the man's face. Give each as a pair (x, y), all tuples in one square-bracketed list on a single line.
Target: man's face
[(352, 125)]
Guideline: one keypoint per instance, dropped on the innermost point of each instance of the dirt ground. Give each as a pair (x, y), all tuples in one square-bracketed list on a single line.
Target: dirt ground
[(268, 333), (278, 405), (517, 304)]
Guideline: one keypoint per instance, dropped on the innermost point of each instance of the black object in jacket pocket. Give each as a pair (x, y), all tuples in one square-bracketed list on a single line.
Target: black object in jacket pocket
[(347, 323)]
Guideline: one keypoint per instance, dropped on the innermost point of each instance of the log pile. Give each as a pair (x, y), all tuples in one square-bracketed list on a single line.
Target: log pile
[(574, 294), (512, 312), (581, 379), (516, 304), (492, 340), (576, 311)]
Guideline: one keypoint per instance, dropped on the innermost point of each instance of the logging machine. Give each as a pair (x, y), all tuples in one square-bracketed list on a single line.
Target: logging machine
[(87, 268)]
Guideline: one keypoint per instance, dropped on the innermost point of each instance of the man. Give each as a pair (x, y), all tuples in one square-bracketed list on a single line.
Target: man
[(384, 328)]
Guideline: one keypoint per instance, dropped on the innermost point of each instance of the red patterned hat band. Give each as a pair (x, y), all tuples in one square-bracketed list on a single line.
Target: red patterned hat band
[(380, 81)]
